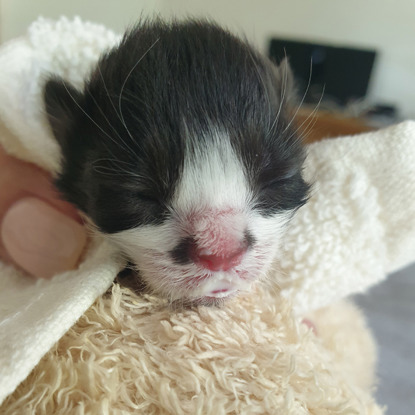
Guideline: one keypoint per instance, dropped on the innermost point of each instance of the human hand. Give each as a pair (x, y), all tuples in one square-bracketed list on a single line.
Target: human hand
[(39, 233)]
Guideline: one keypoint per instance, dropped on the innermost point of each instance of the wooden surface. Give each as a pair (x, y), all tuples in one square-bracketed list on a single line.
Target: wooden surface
[(322, 125)]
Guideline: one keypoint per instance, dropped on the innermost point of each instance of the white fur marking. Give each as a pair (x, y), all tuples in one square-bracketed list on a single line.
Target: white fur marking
[(213, 180)]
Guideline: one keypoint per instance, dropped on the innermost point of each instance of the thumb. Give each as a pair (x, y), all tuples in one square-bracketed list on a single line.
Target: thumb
[(38, 232)]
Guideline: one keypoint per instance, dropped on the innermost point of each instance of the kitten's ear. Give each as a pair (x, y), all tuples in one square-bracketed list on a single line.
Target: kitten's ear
[(62, 102), (287, 81)]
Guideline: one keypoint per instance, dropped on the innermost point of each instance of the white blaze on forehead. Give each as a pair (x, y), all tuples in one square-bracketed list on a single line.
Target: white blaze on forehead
[(213, 177)]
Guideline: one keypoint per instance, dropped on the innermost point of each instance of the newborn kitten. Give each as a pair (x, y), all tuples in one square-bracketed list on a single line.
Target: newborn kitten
[(182, 150)]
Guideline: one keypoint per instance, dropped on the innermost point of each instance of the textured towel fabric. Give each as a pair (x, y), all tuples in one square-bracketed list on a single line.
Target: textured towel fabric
[(34, 314), (67, 48), (360, 222), (358, 226)]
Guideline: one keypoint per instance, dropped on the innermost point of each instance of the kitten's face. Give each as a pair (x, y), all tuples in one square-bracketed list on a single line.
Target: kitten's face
[(181, 150)]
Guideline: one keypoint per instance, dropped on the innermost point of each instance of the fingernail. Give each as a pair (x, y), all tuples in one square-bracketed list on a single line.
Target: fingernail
[(40, 239)]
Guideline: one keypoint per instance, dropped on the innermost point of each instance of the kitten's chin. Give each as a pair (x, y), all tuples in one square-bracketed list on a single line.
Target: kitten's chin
[(205, 301)]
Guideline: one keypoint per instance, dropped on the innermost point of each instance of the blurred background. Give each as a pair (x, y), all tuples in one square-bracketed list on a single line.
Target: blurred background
[(361, 53), (373, 41)]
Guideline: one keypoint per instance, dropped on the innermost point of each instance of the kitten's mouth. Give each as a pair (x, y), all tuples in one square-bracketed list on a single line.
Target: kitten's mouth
[(223, 287), (219, 295), (213, 299), (209, 291), (224, 292)]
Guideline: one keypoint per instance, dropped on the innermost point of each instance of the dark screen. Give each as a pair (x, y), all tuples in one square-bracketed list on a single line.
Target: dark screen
[(344, 73)]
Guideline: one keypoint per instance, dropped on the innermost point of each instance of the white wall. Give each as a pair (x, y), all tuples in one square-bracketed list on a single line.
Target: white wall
[(386, 25), (16, 15)]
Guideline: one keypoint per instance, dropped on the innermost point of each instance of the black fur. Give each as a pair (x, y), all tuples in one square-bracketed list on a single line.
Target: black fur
[(122, 137)]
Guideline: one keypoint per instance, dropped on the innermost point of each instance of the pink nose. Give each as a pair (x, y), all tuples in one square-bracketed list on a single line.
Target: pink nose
[(221, 261)]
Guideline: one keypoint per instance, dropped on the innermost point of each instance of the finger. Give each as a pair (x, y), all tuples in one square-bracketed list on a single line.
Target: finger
[(38, 232)]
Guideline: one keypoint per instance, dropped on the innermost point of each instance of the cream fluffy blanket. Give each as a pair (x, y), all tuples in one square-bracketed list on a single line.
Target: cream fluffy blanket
[(358, 226)]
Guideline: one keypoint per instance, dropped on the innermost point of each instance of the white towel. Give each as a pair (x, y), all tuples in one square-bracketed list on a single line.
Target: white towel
[(358, 226)]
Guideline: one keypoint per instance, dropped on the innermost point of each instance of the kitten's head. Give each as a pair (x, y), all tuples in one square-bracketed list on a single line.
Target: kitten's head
[(181, 148)]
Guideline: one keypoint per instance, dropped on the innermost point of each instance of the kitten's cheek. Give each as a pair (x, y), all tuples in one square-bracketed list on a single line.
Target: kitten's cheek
[(40, 239)]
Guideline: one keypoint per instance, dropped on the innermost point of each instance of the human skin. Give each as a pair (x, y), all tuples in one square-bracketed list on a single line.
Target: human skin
[(39, 233)]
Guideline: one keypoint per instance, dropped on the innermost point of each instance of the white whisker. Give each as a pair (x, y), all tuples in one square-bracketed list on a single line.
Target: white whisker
[(89, 117), (310, 117), (282, 99), (261, 79), (302, 100), (113, 106), (124, 83)]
